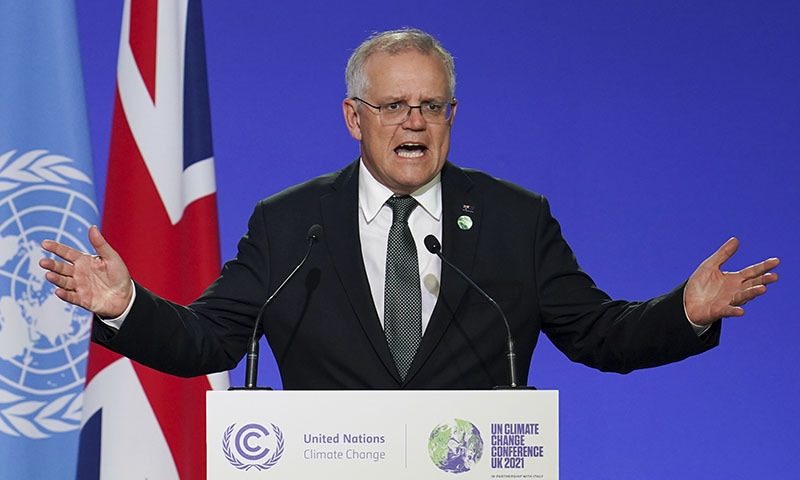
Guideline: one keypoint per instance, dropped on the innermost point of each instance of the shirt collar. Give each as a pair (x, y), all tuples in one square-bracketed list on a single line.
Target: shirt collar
[(372, 195)]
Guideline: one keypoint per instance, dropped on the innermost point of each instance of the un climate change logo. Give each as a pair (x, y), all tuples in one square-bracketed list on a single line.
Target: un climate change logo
[(43, 341), (252, 446), (455, 447)]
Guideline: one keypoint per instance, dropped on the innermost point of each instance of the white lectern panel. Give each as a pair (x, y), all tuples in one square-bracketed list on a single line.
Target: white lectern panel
[(383, 435)]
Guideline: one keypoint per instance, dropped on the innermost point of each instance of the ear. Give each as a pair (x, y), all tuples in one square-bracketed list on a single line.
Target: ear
[(351, 119), (453, 112)]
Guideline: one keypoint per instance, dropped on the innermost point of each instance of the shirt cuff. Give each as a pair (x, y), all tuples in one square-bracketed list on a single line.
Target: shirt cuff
[(117, 322), (698, 329)]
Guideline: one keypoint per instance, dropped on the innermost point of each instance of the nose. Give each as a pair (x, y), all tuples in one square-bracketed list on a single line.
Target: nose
[(415, 120)]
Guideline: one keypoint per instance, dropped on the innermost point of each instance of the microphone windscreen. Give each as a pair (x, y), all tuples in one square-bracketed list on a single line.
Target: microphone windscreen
[(315, 233), (433, 245)]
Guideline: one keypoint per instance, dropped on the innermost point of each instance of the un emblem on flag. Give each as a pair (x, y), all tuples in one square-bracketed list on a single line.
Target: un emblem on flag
[(43, 341)]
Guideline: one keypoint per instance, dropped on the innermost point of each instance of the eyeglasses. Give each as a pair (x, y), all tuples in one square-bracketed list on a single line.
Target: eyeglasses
[(395, 113)]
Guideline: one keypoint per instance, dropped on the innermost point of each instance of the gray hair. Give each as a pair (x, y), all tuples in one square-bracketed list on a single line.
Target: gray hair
[(393, 42)]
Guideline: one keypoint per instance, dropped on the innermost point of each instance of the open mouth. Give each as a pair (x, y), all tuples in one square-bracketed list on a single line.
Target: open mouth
[(411, 150)]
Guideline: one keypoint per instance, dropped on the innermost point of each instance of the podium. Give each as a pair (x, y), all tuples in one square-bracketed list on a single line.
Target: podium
[(384, 435)]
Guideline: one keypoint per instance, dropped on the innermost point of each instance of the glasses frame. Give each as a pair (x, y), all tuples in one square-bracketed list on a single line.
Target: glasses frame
[(452, 103)]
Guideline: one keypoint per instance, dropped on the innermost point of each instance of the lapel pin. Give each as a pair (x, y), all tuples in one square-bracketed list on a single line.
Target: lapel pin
[(467, 208), (464, 222)]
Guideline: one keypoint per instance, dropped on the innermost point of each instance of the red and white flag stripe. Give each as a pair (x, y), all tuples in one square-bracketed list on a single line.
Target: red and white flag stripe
[(160, 214)]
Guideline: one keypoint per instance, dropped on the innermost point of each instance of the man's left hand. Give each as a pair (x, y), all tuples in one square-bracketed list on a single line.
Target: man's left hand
[(712, 294)]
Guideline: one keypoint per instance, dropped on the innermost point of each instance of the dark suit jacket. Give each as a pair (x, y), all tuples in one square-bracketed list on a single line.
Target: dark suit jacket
[(325, 332)]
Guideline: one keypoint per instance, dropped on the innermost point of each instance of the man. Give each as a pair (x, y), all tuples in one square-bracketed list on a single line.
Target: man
[(340, 324)]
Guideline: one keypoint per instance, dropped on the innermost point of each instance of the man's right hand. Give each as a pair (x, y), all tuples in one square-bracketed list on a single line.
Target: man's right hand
[(99, 283)]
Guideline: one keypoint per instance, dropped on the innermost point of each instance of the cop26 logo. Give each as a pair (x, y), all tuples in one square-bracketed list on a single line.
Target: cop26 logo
[(252, 446), (43, 341)]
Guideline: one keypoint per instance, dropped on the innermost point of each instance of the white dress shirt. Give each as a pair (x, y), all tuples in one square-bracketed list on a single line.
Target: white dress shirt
[(374, 221)]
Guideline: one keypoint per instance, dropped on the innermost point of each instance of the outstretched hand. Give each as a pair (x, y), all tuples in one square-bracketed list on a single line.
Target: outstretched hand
[(712, 294), (99, 283)]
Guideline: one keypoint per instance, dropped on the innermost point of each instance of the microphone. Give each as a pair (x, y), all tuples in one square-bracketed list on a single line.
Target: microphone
[(313, 236), (433, 246)]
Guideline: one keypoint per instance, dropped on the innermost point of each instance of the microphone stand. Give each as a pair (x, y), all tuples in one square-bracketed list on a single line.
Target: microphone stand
[(433, 246), (251, 368)]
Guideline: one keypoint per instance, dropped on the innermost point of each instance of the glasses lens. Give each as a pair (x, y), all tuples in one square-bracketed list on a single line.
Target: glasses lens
[(397, 113), (394, 113), (443, 112)]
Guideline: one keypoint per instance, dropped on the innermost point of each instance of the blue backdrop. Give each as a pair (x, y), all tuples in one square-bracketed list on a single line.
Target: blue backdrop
[(657, 129)]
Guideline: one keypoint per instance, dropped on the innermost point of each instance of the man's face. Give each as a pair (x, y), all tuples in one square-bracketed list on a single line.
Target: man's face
[(402, 157)]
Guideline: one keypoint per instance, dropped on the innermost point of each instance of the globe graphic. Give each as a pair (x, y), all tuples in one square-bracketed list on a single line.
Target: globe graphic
[(455, 447), (43, 340)]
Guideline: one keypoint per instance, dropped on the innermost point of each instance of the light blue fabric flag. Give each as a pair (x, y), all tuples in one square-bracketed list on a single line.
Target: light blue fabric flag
[(46, 191)]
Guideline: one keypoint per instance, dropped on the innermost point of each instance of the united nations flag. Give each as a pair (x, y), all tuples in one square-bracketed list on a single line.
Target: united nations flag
[(46, 191)]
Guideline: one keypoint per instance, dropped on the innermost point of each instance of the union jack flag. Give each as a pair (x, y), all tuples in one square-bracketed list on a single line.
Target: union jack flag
[(160, 214)]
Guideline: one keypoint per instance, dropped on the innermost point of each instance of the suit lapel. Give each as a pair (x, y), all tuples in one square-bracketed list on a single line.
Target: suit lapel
[(340, 218), (459, 246)]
